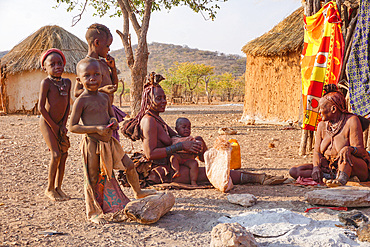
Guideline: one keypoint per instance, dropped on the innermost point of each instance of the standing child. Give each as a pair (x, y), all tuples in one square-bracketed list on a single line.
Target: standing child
[(101, 152), (54, 107), (183, 128), (99, 38)]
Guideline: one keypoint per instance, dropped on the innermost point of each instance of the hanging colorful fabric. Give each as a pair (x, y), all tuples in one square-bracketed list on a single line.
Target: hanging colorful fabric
[(358, 66), (321, 61)]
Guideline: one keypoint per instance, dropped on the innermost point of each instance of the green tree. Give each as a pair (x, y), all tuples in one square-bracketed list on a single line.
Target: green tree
[(225, 85), (192, 76), (137, 13)]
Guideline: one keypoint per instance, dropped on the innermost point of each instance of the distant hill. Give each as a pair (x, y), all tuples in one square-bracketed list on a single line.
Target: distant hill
[(3, 53), (163, 56)]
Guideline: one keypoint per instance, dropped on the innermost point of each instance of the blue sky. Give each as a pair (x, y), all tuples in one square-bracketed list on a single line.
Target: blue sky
[(237, 22)]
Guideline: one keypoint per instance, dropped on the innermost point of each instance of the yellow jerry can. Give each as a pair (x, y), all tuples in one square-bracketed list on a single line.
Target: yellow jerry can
[(236, 159)]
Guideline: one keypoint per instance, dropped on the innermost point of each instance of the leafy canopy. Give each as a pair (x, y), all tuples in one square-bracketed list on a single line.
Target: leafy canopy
[(111, 7)]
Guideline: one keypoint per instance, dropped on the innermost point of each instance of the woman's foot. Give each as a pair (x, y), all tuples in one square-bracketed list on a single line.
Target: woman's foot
[(145, 193), (64, 196), (98, 220), (193, 183), (176, 175), (273, 180), (341, 180), (53, 195), (331, 182)]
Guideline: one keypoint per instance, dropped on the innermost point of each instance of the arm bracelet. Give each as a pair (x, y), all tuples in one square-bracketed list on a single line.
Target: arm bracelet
[(355, 150), (173, 148), (113, 118)]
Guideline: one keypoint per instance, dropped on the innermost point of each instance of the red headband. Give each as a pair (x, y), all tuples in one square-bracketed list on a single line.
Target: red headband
[(48, 52)]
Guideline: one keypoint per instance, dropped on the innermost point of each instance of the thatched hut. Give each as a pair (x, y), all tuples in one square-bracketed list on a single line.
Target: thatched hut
[(21, 72), (273, 72)]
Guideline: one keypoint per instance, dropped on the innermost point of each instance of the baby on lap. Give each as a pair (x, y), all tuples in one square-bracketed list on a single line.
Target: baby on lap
[(183, 128)]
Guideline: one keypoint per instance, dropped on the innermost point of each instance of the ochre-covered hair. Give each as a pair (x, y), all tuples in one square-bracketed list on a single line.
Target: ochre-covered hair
[(97, 31), (153, 81), (334, 96)]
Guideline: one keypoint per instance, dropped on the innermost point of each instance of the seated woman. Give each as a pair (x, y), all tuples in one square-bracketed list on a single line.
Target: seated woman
[(339, 151), (154, 165)]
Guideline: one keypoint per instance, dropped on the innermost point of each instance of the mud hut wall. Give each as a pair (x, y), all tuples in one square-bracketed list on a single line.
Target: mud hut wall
[(22, 90), (272, 88)]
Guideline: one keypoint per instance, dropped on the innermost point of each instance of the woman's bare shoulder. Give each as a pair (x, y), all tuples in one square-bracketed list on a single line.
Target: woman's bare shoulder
[(147, 120)]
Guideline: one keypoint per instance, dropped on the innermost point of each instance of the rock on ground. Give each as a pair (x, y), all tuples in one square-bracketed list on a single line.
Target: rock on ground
[(340, 197), (363, 233), (230, 235), (150, 209), (246, 200)]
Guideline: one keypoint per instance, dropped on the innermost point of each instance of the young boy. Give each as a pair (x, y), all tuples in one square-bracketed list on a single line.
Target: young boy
[(99, 38), (101, 152), (183, 128), (54, 107)]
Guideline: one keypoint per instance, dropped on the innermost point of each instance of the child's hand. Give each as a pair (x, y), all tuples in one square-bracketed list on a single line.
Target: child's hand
[(109, 89), (55, 130), (63, 129), (110, 61), (102, 130), (113, 124)]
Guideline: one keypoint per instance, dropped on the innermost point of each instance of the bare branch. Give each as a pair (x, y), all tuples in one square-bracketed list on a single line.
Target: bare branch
[(78, 17), (132, 16)]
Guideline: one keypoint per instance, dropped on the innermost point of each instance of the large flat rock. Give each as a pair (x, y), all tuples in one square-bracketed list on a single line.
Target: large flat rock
[(341, 197)]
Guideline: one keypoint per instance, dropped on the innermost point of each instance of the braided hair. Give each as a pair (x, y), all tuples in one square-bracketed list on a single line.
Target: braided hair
[(153, 81)]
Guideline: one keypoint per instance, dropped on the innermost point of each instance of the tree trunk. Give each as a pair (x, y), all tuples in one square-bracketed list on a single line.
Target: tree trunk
[(206, 81), (138, 64)]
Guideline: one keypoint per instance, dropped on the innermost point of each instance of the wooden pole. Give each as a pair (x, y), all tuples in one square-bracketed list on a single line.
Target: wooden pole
[(302, 148), (316, 6), (309, 7), (310, 141), (348, 46)]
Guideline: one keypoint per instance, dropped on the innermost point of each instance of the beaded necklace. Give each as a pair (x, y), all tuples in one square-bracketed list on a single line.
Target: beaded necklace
[(61, 88)]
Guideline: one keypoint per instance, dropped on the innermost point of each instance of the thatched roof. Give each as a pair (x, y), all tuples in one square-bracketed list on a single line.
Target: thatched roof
[(25, 56), (287, 36)]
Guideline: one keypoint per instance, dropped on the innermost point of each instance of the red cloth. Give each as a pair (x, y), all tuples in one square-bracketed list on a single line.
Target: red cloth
[(48, 52), (306, 181), (332, 208)]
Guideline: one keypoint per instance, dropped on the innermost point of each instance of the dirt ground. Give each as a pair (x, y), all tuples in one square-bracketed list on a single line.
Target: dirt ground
[(24, 210)]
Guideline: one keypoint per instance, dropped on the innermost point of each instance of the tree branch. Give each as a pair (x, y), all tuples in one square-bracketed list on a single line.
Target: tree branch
[(132, 16), (142, 47), (78, 17), (125, 36)]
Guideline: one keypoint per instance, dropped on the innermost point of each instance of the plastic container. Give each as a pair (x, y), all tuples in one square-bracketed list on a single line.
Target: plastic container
[(236, 159)]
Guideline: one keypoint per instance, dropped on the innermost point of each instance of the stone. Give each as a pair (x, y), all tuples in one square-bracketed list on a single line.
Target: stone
[(341, 197), (227, 131), (150, 209), (245, 200), (353, 218), (363, 233), (230, 235)]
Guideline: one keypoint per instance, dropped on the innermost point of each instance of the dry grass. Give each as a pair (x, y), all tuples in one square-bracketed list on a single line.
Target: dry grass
[(25, 56), (287, 36)]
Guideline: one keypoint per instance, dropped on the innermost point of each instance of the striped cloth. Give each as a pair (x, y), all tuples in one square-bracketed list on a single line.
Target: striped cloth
[(358, 63), (321, 61)]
